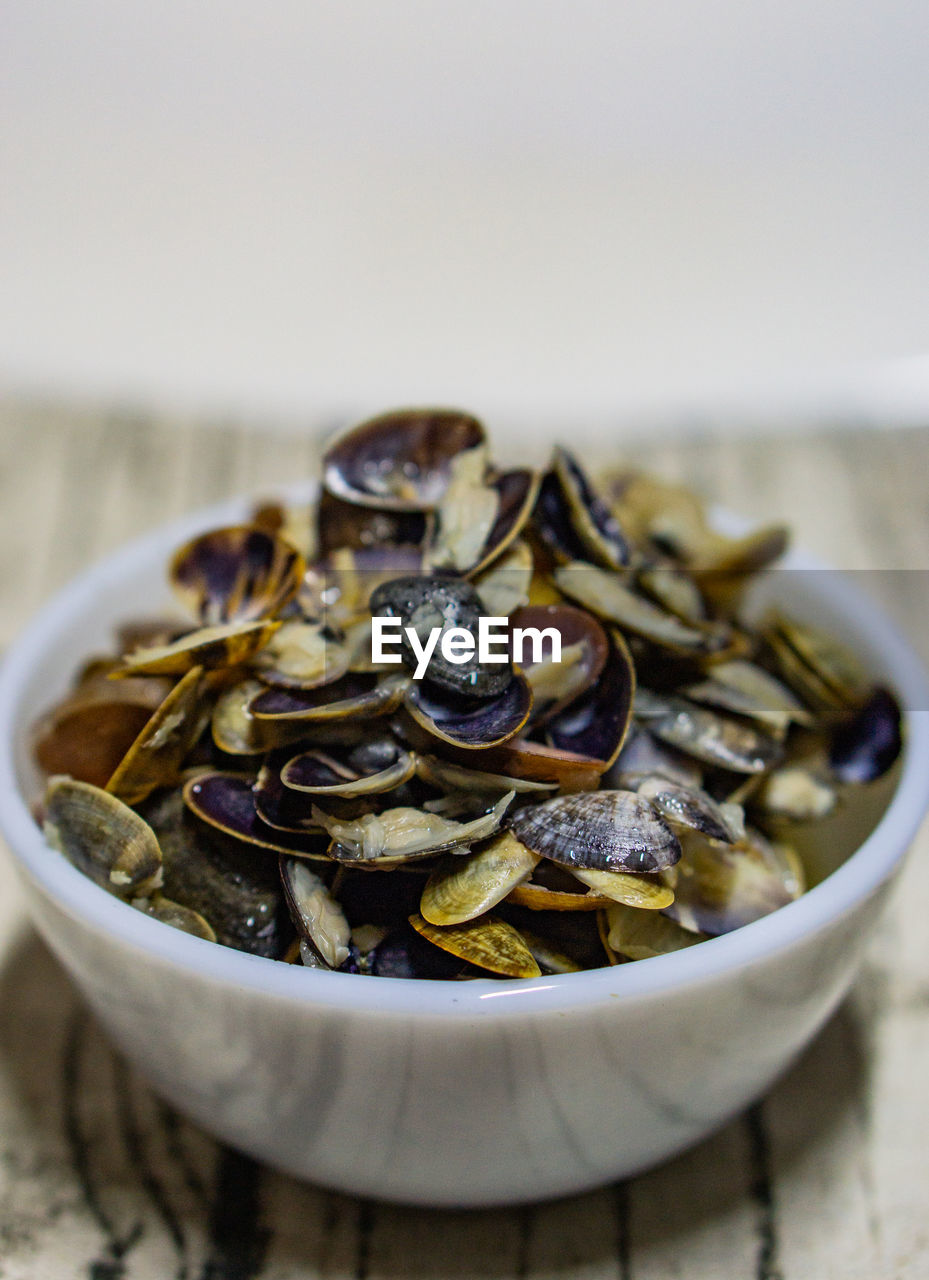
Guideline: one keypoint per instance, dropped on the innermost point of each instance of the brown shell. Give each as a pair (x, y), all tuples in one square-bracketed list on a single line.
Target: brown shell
[(539, 897), (177, 916), (87, 737), (155, 757), (102, 837), (399, 460), (345, 524)]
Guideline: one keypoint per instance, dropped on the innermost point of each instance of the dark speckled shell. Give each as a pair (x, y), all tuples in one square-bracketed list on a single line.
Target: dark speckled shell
[(603, 830)]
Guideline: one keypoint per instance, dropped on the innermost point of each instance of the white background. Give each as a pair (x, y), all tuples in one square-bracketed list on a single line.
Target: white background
[(537, 207)]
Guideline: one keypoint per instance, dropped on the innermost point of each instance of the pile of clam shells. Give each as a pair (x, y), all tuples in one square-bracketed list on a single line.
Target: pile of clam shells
[(255, 778)]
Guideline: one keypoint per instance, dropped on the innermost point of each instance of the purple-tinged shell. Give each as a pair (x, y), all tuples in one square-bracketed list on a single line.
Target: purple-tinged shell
[(236, 574), (866, 745), (595, 724), (226, 802), (470, 723), (355, 696)]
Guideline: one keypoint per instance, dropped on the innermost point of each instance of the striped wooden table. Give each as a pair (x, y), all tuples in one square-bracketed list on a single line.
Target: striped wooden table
[(827, 1177)]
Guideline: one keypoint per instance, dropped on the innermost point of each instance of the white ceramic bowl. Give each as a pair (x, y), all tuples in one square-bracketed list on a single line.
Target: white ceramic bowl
[(450, 1093)]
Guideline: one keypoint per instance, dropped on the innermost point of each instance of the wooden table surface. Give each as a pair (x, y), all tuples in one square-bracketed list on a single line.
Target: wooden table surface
[(827, 1177)]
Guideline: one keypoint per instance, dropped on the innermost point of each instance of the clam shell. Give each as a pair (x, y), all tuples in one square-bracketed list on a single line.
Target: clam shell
[(692, 808), (277, 806), (236, 731), (540, 897), (399, 460), (404, 832), (345, 524), (177, 916), (504, 586), (236, 574), (866, 745), (294, 522), (516, 495), (584, 652), (675, 590), (226, 802), (618, 886), (670, 516), (225, 645), (815, 664), (595, 724), (551, 521), (301, 655), (480, 516), (641, 935), (103, 837), (488, 943), (142, 633), (443, 773), (548, 958), (603, 830), (732, 558), (463, 887), (86, 737), (749, 690), (535, 762), (595, 525), (316, 773), (356, 696), (155, 757), (317, 916), (470, 723), (608, 596), (720, 887), (716, 739), (464, 515)]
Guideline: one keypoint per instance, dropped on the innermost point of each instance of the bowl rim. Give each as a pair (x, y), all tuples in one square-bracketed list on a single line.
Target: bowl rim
[(863, 872)]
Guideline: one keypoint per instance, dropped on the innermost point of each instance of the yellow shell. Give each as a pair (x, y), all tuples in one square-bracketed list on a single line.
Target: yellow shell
[(488, 943), (465, 886)]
